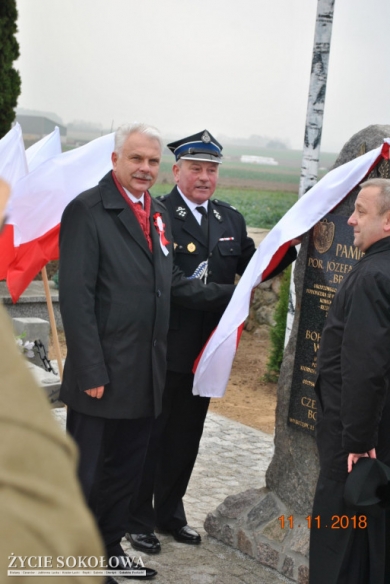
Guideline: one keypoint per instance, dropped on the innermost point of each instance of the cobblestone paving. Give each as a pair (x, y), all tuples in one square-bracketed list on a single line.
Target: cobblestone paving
[(232, 458)]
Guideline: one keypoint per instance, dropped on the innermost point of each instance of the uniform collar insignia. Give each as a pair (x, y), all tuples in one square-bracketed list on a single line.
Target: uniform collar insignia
[(181, 212), (217, 215)]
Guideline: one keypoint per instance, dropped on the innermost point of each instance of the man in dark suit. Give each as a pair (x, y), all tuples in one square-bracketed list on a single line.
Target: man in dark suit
[(348, 545), (211, 242), (116, 282)]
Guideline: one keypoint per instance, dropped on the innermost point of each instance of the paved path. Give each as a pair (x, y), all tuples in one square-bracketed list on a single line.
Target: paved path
[(232, 458)]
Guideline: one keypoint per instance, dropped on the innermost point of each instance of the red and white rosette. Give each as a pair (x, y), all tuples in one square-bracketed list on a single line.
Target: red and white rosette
[(160, 226)]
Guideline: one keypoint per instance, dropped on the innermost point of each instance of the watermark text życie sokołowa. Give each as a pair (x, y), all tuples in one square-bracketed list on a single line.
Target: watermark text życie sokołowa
[(61, 565)]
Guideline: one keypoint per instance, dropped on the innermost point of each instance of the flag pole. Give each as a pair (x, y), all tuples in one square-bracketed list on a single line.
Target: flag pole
[(52, 319)]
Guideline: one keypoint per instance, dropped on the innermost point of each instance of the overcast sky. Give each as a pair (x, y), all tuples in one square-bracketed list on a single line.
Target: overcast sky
[(235, 67)]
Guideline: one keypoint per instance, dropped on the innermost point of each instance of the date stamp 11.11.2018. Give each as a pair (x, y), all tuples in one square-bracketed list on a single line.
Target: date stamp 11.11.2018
[(334, 522)]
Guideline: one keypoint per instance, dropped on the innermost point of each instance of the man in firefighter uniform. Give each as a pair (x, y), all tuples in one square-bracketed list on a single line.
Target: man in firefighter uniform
[(210, 242)]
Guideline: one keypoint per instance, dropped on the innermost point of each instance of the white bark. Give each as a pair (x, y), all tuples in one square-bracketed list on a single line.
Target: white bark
[(317, 91), (314, 118)]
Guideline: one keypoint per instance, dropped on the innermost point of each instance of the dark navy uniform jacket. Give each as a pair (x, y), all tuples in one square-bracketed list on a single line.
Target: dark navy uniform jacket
[(228, 252)]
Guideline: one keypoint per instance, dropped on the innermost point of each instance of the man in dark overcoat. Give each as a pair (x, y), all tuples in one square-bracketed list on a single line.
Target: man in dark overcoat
[(116, 282), (348, 546), (211, 242)]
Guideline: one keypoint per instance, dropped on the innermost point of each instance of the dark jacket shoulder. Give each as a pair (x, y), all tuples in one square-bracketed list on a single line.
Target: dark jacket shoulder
[(88, 198), (161, 198), (225, 205), (159, 202)]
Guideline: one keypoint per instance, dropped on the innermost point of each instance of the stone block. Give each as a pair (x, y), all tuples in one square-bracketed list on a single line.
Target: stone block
[(234, 505), (267, 297), (303, 575), (300, 540), (34, 328), (211, 525), (267, 555), (265, 285), (275, 286), (244, 544), (32, 302), (265, 315), (262, 332), (263, 512), (227, 535), (274, 532), (288, 567)]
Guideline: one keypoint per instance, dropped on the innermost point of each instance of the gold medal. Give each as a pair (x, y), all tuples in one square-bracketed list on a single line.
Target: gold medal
[(191, 247)]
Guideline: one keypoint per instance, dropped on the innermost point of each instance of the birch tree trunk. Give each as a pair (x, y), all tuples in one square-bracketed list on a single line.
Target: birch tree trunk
[(314, 118)]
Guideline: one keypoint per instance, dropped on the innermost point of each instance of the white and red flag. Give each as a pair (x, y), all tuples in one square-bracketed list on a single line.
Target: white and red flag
[(13, 166), (43, 150), (13, 163), (212, 369), (36, 155), (37, 203)]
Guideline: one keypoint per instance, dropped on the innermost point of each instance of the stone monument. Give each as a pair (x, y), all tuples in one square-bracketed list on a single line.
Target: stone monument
[(272, 523)]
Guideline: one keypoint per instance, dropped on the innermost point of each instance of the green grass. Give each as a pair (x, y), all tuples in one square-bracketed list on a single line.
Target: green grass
[(259, 172), (260, 208), (161, 189)]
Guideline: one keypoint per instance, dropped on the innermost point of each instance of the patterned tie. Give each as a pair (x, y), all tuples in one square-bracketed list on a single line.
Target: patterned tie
[(204, 222)]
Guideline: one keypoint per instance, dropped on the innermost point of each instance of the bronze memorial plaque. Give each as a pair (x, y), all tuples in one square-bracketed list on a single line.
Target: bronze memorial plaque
[(331, 255)]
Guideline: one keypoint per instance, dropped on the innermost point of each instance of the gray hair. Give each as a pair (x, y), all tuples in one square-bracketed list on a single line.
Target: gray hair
[(124, 131), (383, 184)]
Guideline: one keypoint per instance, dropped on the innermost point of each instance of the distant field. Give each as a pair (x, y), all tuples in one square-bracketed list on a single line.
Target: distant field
[(233, 173), (260, 208), (262, 193), (287, 158)]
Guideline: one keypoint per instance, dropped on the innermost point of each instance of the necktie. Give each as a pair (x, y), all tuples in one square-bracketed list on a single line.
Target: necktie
[(204, 222)]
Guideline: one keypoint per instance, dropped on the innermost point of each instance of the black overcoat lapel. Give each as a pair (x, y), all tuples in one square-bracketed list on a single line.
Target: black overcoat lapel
[(112, 199)]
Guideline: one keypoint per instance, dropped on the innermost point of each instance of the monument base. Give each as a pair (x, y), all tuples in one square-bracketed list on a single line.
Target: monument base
[(259, 524)]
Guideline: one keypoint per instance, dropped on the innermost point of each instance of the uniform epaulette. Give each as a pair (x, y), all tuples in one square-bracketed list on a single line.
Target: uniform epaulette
[(223, 204)]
